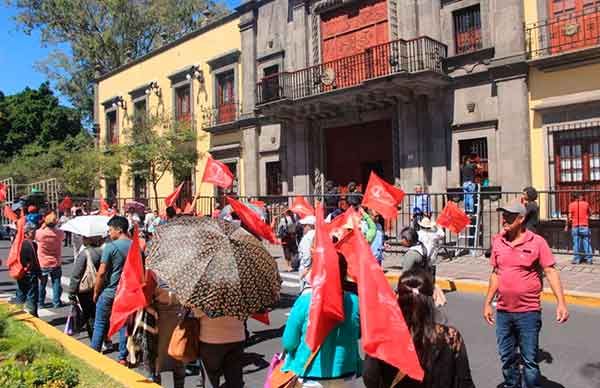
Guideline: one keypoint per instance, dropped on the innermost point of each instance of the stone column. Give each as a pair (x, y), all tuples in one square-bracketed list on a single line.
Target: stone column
[(508, 34), (440, 138), (429, 19), (300, 36), (407, 19), (514, 167), (250, 146), (301, 169), (248, 60), (411, 170)]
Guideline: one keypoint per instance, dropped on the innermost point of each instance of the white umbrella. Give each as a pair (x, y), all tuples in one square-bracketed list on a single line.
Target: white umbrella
[(87, 226)]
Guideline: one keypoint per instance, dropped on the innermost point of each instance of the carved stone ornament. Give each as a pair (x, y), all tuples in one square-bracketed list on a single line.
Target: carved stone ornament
[(328, 76), (571, 29)]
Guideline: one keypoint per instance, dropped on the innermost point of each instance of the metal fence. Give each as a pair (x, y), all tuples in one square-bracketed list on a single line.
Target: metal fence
[(552, 211)]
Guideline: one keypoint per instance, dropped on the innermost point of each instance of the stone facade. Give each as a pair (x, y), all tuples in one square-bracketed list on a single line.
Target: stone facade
[(431, 112)]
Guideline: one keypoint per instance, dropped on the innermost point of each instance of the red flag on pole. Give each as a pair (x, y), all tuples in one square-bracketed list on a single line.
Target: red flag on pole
[(9, 213), (171, 198), (384, 333), (104, 207), (252, 221), (129, 297), (217, 173), (382, 197), (3, 194), (13, 262), (342, 223), (301, 207), (262, 318), (327, 300), (453, 218), (66, 203)]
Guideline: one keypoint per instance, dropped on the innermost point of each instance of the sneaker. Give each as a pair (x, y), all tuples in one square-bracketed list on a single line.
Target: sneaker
[(107, 346), (124, 363)]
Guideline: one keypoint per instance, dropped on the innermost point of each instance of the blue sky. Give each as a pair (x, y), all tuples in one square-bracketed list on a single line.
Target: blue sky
[(19, 53)]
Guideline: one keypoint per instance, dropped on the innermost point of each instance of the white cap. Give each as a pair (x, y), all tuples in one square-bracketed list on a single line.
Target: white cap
[(308, 220)]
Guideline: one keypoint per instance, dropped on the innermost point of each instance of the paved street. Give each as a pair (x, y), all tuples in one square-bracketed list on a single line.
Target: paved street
[(570, 355)]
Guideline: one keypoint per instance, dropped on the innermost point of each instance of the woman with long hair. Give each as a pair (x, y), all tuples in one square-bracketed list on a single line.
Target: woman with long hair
[(440, 348)]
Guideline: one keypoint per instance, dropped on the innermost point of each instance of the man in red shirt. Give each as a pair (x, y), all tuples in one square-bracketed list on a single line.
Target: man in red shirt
[(578, 220), (518, 258)]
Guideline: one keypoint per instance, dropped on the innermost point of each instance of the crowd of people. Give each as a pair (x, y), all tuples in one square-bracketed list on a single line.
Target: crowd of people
[(441, 350)]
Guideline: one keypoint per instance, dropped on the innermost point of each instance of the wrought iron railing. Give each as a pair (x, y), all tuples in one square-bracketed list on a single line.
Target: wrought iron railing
[(220, 114), (399, 56), (563, 34)]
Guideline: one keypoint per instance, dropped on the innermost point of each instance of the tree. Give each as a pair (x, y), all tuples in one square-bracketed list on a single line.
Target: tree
[(158, 145), (34, 117), (104, 34)]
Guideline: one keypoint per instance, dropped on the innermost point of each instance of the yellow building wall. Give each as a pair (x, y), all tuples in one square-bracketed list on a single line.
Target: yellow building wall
[(195, 51)]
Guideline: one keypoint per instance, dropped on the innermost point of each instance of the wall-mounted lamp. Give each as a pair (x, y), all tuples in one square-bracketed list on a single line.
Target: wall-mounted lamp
[(153, 87), (196, 73), (119, 102)]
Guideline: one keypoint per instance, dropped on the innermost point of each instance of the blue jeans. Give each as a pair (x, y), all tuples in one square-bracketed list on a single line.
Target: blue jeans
[(468, 188), (55, 275), (581, 244), (522, 330), (27, 292), (102, 324)]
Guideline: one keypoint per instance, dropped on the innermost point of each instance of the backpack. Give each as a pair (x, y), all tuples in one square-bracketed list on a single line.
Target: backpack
[(426, 260), (88, 280), (15, 267)]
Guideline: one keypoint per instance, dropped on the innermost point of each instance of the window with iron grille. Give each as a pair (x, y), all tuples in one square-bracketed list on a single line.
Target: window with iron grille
[(577, 157), (112, 134), (183, 107), (467, 30), (273, 174), (139, 111)]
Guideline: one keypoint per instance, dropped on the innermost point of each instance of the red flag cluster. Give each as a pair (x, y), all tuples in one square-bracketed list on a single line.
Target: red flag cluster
[(129, 297), (327, 303), (252, 221), (171, 198), (382, 197), (217, 173), (453, 218), (301, 207)]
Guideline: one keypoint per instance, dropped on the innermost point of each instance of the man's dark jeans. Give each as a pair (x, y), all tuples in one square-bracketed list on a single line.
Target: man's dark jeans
[(519, 330), (27, 292), (102, 324), (55, 277)]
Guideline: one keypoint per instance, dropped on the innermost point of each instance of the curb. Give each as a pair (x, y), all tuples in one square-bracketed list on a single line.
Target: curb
[(104, 364), (584, 299)]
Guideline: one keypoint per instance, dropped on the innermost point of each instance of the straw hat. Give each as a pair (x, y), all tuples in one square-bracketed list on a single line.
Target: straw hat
[(426, 223)]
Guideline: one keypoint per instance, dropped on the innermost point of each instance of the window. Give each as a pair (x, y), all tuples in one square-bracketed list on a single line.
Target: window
[(111, 190), (273, 175), (139, 189), (467, 30), (139, 111), (270, 83), (476, 149), (183, 108), (112, 134), (226, 104), (577, 157), (571, 163), (574, 24)]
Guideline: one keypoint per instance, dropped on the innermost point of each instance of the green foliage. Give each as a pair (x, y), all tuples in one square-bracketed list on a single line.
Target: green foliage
[(104, 34), (12, 375), (34, 117), (52, 370), (158, 145)]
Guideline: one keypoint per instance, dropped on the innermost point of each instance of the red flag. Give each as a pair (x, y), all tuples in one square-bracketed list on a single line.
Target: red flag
[(66, 203), (9, 213), (327, 300), (342, 223), (262, 318), (13, 262), (129, 297), (252, 221), (3, 194), (384, 333), (382, 197), (104, 207), (171, 198), (453, 218), (187, 209), (301, 207), (217, 173)]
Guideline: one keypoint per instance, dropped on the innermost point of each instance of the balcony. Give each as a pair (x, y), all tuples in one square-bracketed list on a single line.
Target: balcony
[(399, 57), (568, 38), (220, 115)]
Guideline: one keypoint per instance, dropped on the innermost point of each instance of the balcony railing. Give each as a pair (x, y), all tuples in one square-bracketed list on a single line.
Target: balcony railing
[(220, 114), (399, 56), (563, 34)]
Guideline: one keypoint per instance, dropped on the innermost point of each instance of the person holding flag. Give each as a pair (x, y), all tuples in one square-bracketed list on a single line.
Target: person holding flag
[(28, 285), (441, 350), (107, 280)]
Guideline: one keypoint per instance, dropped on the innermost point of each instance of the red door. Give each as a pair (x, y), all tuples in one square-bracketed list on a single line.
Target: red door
[(574, 24), (346, 33), (226, 104)]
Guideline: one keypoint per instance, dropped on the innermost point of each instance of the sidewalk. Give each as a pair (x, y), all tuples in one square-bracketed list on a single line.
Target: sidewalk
[(576, 279)]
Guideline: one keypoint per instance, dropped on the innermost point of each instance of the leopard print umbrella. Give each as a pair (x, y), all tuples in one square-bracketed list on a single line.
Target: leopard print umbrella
[(215, 266)]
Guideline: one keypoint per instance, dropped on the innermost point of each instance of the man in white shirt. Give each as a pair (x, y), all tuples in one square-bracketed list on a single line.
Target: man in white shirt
[(431, 236), (304, 249)]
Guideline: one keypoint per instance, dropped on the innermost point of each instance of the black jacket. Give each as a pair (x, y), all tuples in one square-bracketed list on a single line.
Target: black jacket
[(29, 259), (450, 366)]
